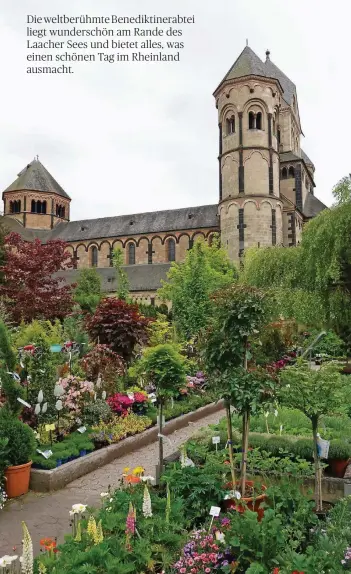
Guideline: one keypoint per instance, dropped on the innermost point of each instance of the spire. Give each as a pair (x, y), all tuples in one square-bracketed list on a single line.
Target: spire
[(35, 177), (267, 55), (247, 42)]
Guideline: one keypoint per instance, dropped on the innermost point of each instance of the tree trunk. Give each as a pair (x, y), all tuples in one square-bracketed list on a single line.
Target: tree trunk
[(160, 438), (230, 442), (246, 427), (317, 469)]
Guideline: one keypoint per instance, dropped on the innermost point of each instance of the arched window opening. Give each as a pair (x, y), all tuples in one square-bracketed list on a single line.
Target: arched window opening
[(38, 207), (131, 254), (274, 126), (230, 125), (18, 206), (252, 123), (291, 172), (284, 173), (12, 207), (34, 206), (171, 250), (94, 256), (278, 135), (60, 211), (258, 121), (43, 207)]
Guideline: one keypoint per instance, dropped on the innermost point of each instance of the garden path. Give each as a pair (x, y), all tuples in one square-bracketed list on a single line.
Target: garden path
[(47, 514)]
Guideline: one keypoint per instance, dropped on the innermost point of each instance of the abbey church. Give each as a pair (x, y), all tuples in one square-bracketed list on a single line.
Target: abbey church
[(265, 191)]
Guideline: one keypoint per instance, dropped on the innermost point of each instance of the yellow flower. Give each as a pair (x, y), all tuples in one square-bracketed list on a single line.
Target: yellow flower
[(138, 470), (91, 528), (126, 469), (78, 537), (99, 533)]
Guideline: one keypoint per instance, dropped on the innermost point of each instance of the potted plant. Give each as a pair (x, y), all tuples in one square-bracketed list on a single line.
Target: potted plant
[(21, 447), (315, 393), (339, 457), (238, 314), (21, 440)]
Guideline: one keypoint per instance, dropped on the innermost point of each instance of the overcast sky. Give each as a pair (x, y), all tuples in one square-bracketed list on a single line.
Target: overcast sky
[(133, 137)]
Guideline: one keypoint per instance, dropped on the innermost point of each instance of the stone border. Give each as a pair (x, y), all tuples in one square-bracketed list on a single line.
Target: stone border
[(50, 480)]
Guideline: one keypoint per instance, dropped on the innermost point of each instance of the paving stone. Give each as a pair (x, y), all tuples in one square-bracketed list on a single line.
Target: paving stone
[(47, 514)]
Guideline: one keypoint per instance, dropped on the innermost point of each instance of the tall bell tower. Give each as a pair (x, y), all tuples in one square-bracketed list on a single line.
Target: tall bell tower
[(250, 208)]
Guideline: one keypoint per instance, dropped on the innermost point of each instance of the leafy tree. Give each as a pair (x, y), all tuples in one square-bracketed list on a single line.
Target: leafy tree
[(3, 234), (164, 367), (342, 190), (88, 290), (31, 291), (41, 369), (28, 333), (315, 393), (190, 284), (161, 331), (238, 315), (102, 362), (7, 356), (122, 278), (119, 325)]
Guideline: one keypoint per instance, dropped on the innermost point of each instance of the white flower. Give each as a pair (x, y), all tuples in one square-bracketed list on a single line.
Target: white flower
[(237, 495), (78, 509), (275, 413), (40, 397), (7, 560), (45, 408), (103, 395), (147, 479), (266, 414), (104, 494), (37, 409), (219, 536), (147, 509), (27, 556)]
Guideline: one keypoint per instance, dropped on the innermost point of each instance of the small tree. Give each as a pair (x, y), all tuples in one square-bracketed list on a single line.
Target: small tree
[(164, 367), (119, 325), (30, 289), (315, 393), (42, 375), (122, 278), (190, 284), (342, 190), (102, 362), (239, 313), (7, 356), (88, 290)]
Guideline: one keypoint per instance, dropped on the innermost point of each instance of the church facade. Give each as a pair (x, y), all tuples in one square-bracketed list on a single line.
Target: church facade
[(266, 191)]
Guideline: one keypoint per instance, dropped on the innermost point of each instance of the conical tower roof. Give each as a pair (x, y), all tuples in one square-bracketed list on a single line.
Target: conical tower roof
[(35, 177)]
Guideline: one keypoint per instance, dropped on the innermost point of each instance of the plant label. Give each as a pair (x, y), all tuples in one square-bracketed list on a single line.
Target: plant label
[(163, 420), (24, 403), (216, 439), (46, 454), (81, 430), (323, 448), (49, 428), (215, 511)]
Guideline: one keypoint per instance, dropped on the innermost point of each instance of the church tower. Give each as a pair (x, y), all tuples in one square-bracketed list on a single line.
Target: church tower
[(35, 199), (248, 100)]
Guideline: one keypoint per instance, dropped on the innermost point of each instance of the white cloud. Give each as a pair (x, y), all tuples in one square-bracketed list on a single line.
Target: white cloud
[(133, 137)]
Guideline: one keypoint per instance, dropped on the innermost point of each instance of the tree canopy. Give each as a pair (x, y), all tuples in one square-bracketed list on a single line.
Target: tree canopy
[(30, 289), (190, 284), (88, 290)]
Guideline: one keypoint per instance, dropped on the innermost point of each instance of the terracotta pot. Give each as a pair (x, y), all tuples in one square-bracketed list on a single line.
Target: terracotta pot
[(17, 479), (338, 466), (249, 503)]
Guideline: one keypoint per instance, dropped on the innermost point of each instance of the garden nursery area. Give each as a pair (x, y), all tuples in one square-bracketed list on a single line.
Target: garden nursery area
[(86, 379)]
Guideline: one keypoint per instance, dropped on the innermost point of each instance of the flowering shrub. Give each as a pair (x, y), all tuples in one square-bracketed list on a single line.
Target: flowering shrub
[(202, 555), (346, 561), (77, 393), (120, 428), (122, 404)]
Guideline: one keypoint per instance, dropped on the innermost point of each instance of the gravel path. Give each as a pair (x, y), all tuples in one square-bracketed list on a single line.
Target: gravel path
[(46, 514)]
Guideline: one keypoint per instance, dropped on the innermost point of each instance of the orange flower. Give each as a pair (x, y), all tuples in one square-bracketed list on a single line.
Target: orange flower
[(132, 479), (48, 543)]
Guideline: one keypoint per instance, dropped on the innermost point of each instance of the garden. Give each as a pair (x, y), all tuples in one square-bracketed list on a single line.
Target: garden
[(269, 341)]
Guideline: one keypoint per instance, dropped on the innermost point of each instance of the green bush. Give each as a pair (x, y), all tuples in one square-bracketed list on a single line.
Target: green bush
[(21, 440), (96, 412)]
